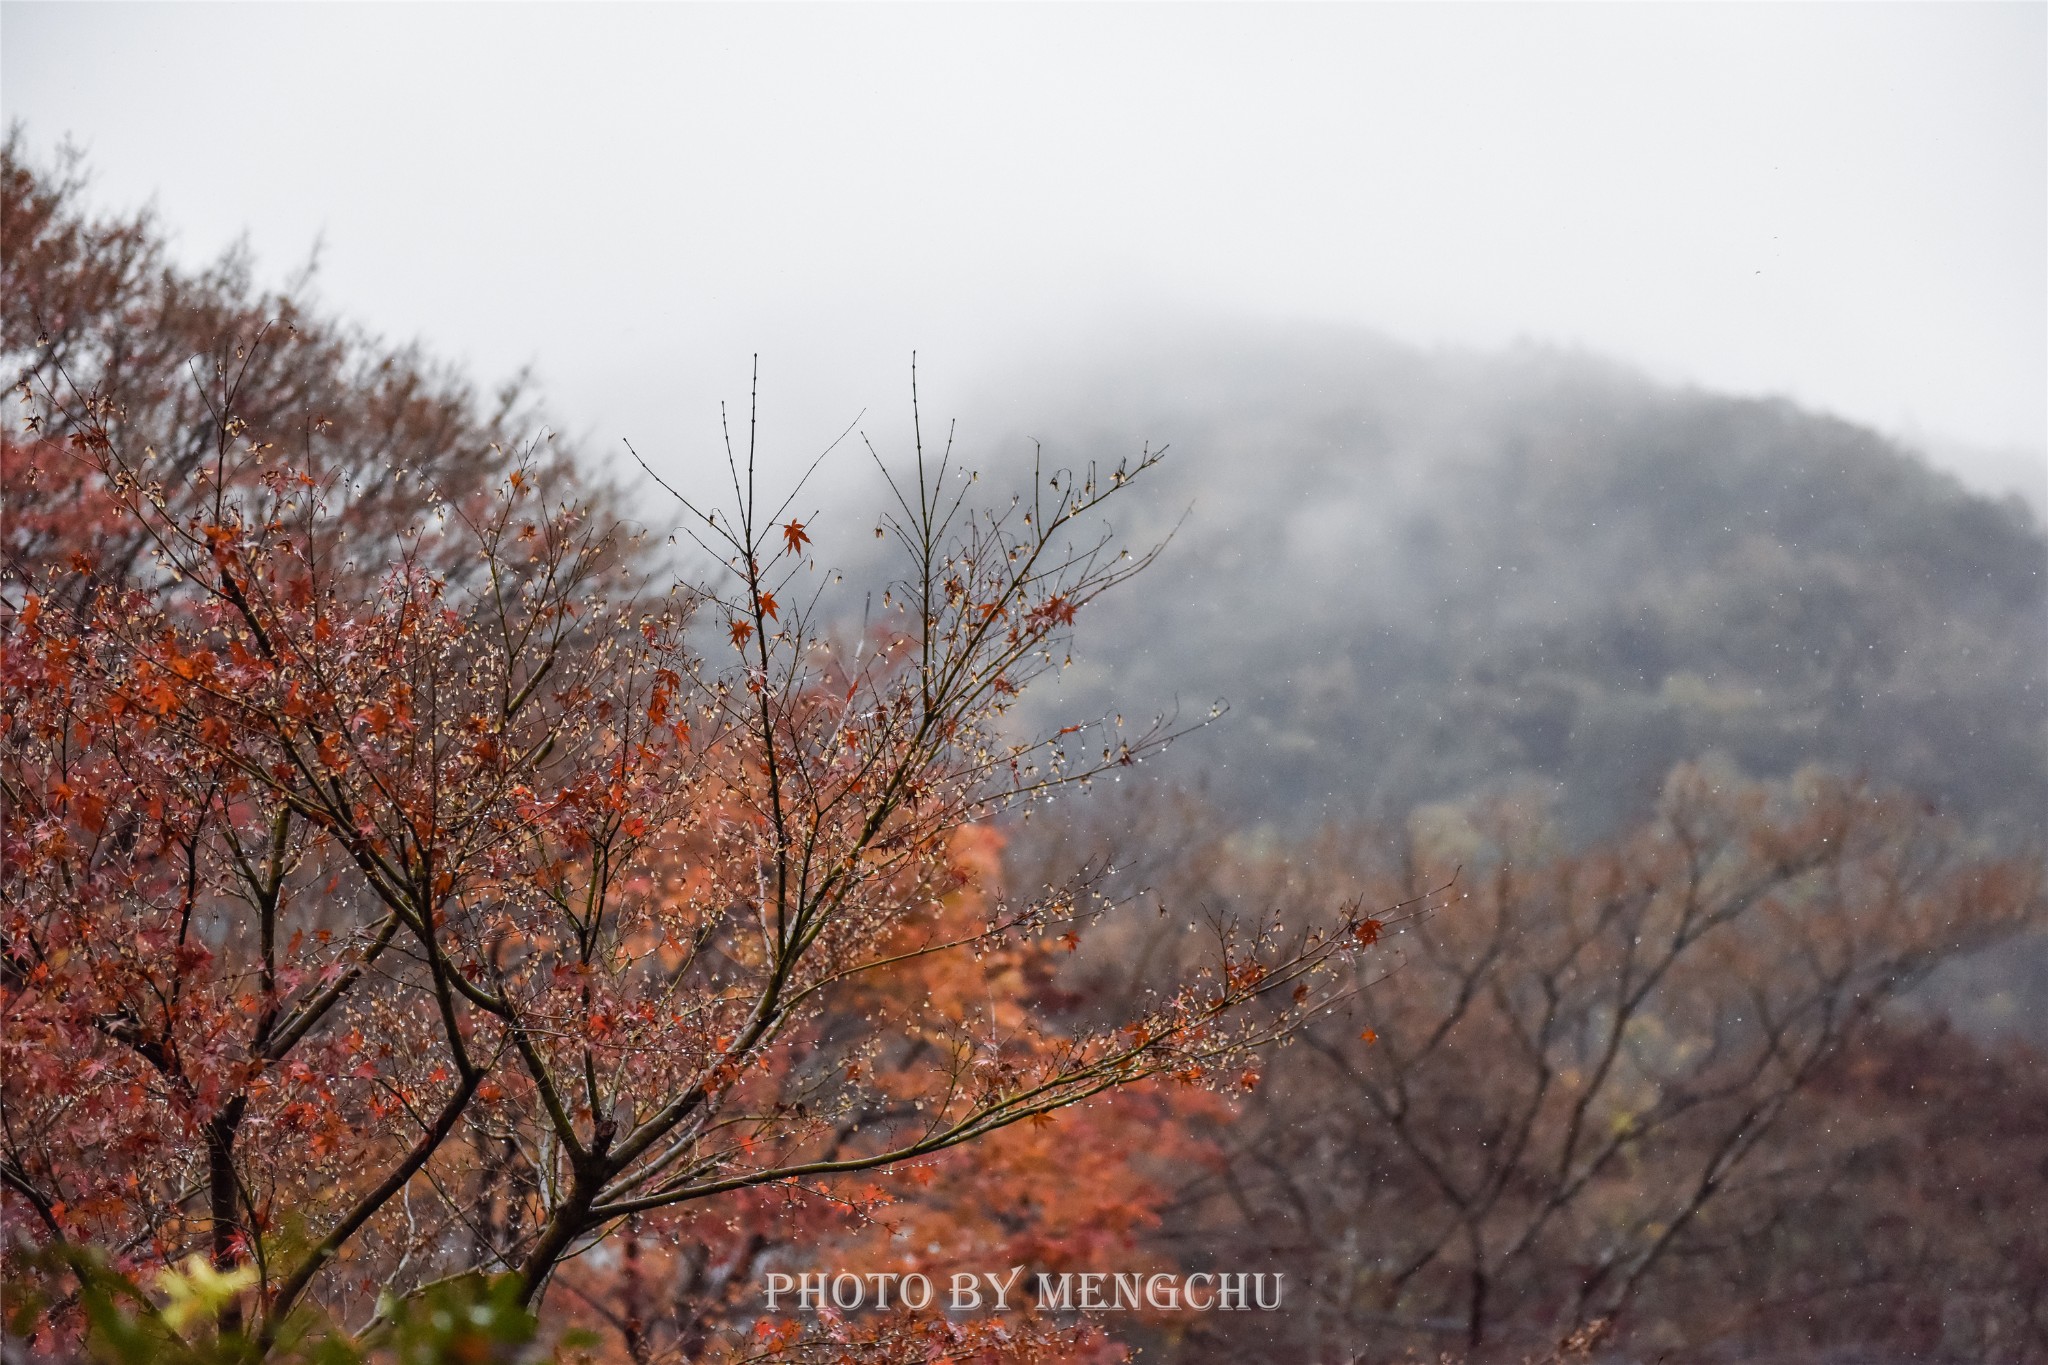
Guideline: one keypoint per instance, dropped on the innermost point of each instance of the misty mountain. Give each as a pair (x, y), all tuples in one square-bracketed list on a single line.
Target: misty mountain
[(1419, 576)]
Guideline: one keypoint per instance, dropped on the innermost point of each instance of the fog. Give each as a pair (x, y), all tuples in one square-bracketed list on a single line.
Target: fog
[(1606, 522), (1842, 205)]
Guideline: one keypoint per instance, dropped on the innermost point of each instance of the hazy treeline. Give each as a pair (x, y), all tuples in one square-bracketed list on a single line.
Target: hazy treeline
[(1416, 576), (1421, 577)]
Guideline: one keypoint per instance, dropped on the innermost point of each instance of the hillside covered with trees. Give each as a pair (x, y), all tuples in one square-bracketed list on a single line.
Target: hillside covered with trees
[(1421, 577), (1418, 576)]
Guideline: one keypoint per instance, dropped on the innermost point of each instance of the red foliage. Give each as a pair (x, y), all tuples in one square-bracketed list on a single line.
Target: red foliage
[(392, 890)]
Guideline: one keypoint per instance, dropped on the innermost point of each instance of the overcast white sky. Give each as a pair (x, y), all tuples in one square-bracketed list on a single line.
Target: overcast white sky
[(1847, 204)]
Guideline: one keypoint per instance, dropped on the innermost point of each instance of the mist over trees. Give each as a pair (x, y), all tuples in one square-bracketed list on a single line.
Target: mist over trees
[(1423, 577), (436, 923), (1419, 576)]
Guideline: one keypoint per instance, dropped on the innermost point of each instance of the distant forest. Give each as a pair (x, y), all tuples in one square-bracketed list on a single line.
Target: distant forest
[(1424, 577), (1418, 577)]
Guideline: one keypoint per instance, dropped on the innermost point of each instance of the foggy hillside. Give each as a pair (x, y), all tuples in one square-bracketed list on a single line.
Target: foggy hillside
[(1421, 576)]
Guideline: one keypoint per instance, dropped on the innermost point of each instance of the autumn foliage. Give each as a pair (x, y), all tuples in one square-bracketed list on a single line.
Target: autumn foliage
[(421, 907), (401, 882)]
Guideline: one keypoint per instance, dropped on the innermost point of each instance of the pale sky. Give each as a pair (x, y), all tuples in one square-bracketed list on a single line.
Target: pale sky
[(1845, 204)]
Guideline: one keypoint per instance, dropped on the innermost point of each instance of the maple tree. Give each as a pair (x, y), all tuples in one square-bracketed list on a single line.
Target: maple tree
[(399, 883), (1067, 1191)]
